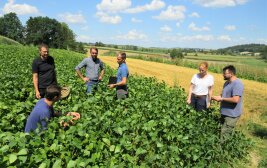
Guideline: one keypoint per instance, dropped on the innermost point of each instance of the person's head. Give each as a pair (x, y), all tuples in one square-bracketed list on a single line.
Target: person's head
[(121, 57), (203, 67), (43, 51), (94, 52), (228, 72), (53, 93)]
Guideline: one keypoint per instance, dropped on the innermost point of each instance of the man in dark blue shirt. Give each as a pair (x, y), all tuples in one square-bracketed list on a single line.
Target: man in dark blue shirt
[(122, 77), (43, 110)]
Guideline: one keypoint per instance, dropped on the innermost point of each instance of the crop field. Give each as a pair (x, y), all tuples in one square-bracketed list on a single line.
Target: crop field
[(250, 67), (255, 94), (154, 127)]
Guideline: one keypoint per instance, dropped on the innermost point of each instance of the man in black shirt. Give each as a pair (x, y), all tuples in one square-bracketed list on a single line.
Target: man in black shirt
[(43, 70)]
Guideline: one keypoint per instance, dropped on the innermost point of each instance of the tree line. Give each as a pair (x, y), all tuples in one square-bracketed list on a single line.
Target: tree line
[(40, 30)]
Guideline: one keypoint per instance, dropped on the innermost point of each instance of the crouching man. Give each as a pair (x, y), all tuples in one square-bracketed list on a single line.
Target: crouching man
[(43, 110)]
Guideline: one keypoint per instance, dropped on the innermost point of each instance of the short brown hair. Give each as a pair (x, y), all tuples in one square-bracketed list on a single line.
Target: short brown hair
[(123, 55), (52, 91), (42, 45), (205, 64), (93, 48)]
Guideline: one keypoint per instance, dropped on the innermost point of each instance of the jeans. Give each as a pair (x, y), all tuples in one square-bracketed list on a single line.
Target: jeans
[(91, 86), (198, 102)]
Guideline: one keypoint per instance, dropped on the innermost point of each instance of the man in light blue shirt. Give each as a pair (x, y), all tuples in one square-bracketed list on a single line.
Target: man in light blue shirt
[(231, 101), (94, 68), (122, 77)]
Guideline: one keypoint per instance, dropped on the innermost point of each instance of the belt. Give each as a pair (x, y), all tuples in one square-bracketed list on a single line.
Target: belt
[(198, 96)]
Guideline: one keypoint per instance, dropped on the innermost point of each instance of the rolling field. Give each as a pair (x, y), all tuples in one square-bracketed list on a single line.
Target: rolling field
[(255, 94)]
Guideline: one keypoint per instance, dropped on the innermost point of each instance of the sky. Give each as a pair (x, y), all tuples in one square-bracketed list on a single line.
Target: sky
[(209, 24)]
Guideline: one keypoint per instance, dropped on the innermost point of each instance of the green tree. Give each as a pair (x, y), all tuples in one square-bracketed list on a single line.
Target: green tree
[(11, 27), (176, 54), (264, 53), (44, 30)]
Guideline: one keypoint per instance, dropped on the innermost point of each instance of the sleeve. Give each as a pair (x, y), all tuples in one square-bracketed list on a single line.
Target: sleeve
[(238, 89), (102, 66), (34, 66), (82, 64), (193, 80), (124, 72), (211, 80), (43, 120)]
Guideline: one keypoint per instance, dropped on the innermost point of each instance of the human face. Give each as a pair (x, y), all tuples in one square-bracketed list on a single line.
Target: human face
[(44, 52), (119, 59), (94, 54), (202, 70), (227, 75)]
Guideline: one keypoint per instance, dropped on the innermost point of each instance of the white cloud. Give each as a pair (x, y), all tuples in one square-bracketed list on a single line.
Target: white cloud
[(105, 18), (194, 14), (172, 13), (219, 3), (134, 20), (72, 18), (230, 27), (224, 38), (192, 26), (178, 24), (132, 35), (182, 38), (262, 41), (83, 38), (20, 9), (113, 6), (154, 5), (166, 28)]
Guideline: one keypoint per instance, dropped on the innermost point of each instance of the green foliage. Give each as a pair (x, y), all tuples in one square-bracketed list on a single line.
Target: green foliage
[(11, 27), (175, 53), (154, 127), (8, 41)]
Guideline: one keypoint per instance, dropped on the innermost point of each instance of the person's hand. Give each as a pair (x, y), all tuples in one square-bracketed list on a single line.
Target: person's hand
[(100, 78), (37, 95), (188, 101), (217, 98), (208, 105), (112, 86), (75, 115), (85, 79)]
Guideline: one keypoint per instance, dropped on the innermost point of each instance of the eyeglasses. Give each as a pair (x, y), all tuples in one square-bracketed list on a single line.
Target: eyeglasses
[(94, 53)]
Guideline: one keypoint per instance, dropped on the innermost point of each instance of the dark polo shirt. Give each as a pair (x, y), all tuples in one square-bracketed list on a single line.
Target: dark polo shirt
[(45, 70)]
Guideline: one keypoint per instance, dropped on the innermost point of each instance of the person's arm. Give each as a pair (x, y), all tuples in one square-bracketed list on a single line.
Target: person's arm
[(234, 99), (189, 93), (101, 74), (35, 84), (78, 67), (85, 79), (210, 95), (121, 83)]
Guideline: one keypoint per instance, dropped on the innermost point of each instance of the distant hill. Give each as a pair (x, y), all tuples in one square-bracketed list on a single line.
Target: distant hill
[(244, 48), (8, 41)]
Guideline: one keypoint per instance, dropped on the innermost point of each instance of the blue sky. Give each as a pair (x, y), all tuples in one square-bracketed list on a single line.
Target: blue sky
[(154, 23)]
